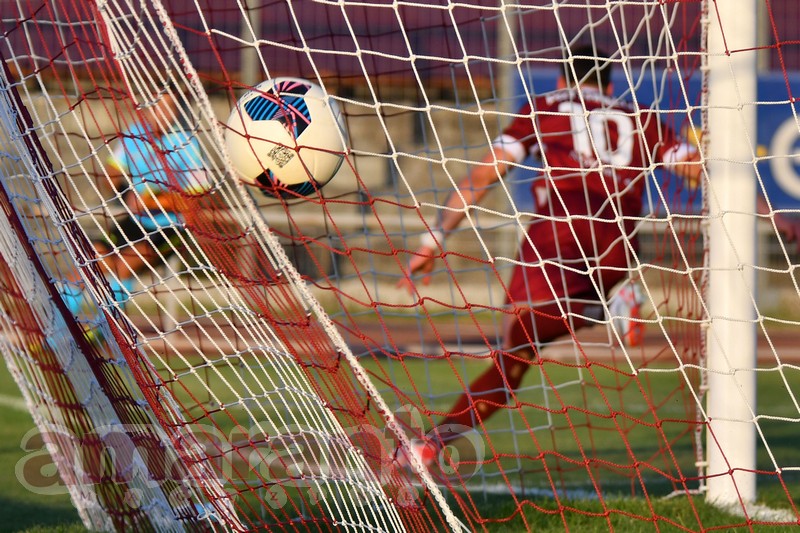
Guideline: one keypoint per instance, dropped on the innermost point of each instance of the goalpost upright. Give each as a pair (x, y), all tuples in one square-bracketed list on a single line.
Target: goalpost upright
[(731, 199)]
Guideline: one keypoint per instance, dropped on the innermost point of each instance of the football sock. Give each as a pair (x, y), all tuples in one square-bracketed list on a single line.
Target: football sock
[(492, 389)]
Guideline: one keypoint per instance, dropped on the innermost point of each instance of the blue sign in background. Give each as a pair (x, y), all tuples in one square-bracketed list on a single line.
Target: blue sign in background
[(778, 130), (779, 139)]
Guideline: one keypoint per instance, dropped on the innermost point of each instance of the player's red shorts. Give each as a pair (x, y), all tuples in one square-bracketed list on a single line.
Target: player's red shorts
[(568, 259)]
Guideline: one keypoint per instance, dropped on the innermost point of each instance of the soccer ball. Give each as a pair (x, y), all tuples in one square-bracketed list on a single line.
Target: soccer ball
[(284, 137)]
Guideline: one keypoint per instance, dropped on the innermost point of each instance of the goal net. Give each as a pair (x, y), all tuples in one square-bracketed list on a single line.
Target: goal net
[(614, 355)]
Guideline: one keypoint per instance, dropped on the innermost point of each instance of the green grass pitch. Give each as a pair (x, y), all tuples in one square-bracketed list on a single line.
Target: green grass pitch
[(23, 510)]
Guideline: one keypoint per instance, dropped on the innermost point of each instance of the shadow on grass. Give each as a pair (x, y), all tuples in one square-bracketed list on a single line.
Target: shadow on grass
[(38, 516), (631, 515)]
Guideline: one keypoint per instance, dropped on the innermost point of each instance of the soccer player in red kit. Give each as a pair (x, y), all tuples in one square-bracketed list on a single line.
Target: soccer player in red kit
[(597, 153)]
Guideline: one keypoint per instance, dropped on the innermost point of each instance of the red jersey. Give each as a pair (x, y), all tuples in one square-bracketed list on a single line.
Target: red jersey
[(597, 150)]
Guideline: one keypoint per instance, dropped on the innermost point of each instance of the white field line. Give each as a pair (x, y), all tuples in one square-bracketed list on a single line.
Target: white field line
[(13, 402)]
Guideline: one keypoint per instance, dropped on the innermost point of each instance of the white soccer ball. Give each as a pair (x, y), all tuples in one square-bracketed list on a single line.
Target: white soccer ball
[(284, 137)]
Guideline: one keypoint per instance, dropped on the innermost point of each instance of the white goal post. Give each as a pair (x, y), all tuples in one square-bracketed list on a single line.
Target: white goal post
[(732, 293)]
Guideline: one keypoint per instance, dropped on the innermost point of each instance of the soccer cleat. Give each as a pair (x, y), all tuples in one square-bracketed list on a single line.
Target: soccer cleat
[(425, 451), (625, 309)]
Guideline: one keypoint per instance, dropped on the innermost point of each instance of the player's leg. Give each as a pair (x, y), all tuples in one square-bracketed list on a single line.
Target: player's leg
[(526, 328), (128, 249), (158, 245), (126, 252), (113, 254), (536, 326), (525, 334)]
